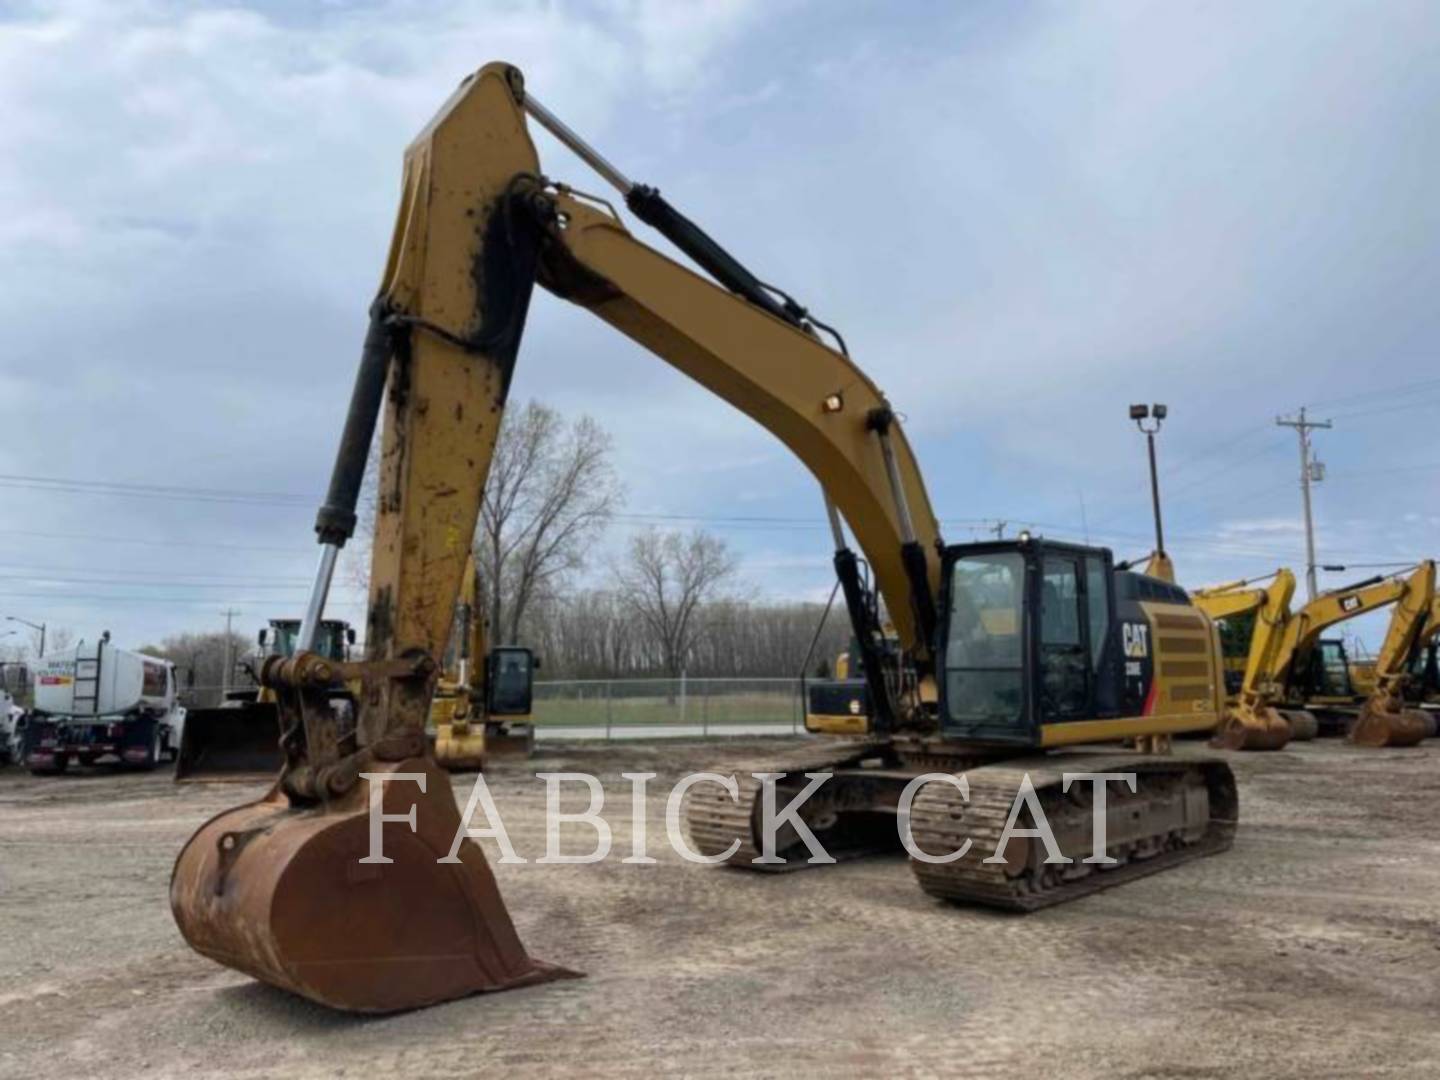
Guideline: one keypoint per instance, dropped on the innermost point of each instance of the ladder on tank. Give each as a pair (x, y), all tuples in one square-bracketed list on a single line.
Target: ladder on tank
[(86, 698)]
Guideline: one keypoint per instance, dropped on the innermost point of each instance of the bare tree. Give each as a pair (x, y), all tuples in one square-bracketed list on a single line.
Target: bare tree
[(664, 579), (551, 489)]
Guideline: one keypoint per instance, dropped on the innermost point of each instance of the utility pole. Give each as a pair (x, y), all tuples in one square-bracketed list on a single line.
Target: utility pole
[(999, 529), (1311, 472), (229, 613)]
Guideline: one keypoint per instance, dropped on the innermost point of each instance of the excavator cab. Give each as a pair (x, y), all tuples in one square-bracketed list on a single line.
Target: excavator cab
[(1044, 643), (240, 739)]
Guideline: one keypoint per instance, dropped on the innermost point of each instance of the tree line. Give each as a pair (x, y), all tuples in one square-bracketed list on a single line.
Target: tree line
[(666, 602)]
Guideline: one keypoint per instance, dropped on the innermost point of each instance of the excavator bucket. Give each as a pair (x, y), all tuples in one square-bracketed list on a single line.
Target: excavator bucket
[(300, 899), (460, 747), (1378, 726), (1258, 729), (230, 743)]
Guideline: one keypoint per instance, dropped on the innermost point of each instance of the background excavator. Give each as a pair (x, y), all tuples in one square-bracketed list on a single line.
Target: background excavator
[(481, 710), (1268, 708), (1011, 654), (1396, 675), (1253, 720)]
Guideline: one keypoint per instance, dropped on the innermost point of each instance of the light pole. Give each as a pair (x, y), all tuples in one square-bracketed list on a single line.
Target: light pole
[(1157, 413), (33, 626)]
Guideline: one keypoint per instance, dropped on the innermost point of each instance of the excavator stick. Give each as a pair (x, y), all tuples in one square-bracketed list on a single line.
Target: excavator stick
[(288, 889), (293, 899), (230, 743)]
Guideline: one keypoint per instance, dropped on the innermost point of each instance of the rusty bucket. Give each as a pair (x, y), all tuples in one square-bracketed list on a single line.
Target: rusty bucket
[(1378, 726), (290, 896), (1258, 729)]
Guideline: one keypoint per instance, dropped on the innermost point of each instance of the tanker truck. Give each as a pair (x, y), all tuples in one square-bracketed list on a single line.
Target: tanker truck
[(96, 702)]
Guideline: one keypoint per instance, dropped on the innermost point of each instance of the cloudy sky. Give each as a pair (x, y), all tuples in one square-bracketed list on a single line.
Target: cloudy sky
[(1022, 217)]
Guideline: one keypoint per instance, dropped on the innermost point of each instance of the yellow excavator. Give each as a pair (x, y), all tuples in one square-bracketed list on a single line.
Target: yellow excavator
[(1268, 709), (1252, 719), (482, 710), (1386, 698), (1013, 655)]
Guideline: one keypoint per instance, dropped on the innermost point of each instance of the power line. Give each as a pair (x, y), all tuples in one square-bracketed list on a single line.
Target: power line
[(145, 542), (154, 491), (1378, 393)]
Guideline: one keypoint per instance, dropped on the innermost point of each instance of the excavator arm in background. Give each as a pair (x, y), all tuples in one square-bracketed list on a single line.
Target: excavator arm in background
[(481, 709), (1252, 720), (258, 887), (1282, 638), (1385, 718)]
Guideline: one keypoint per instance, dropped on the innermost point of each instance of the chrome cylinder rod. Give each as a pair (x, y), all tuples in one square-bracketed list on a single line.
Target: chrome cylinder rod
[(315, 608), (836, 529), (902, 505), (587, 153)]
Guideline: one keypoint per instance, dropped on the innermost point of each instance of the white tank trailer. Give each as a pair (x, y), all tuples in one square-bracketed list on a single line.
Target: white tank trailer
[(96, 701)]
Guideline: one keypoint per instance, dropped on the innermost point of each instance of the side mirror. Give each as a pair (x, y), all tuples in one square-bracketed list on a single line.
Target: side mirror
[(261, 639), (350, 635), (535, 662)]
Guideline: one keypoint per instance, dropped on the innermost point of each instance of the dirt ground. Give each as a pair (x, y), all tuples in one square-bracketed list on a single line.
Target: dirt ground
[(1312, 949)]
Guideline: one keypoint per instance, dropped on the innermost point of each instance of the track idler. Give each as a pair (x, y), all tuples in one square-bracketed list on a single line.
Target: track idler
[(285, 894), (1253, 729)]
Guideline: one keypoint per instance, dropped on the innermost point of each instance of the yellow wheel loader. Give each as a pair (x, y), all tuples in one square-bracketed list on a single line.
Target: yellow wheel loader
[(1014, 658), (240, 739)]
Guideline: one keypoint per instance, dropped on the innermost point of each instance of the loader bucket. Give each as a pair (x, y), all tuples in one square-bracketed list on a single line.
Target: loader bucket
[(1260, 729), (230, 743), (287, 895), (1377, 727)]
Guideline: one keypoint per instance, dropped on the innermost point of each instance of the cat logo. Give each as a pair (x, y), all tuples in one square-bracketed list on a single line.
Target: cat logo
[(1349, 603), (1136, 637)]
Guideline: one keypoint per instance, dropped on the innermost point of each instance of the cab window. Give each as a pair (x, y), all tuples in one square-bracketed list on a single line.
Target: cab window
[(984, 653)]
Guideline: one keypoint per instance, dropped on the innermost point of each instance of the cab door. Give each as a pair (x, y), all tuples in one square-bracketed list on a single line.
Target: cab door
[(986, 644), (1066, 682)]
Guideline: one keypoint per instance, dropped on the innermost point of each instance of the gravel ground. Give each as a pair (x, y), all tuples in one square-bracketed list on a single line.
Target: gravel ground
[(1312, 949)]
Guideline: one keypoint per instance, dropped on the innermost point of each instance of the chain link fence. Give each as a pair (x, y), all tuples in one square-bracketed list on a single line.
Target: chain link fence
[(644, 708), (654, 708)]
